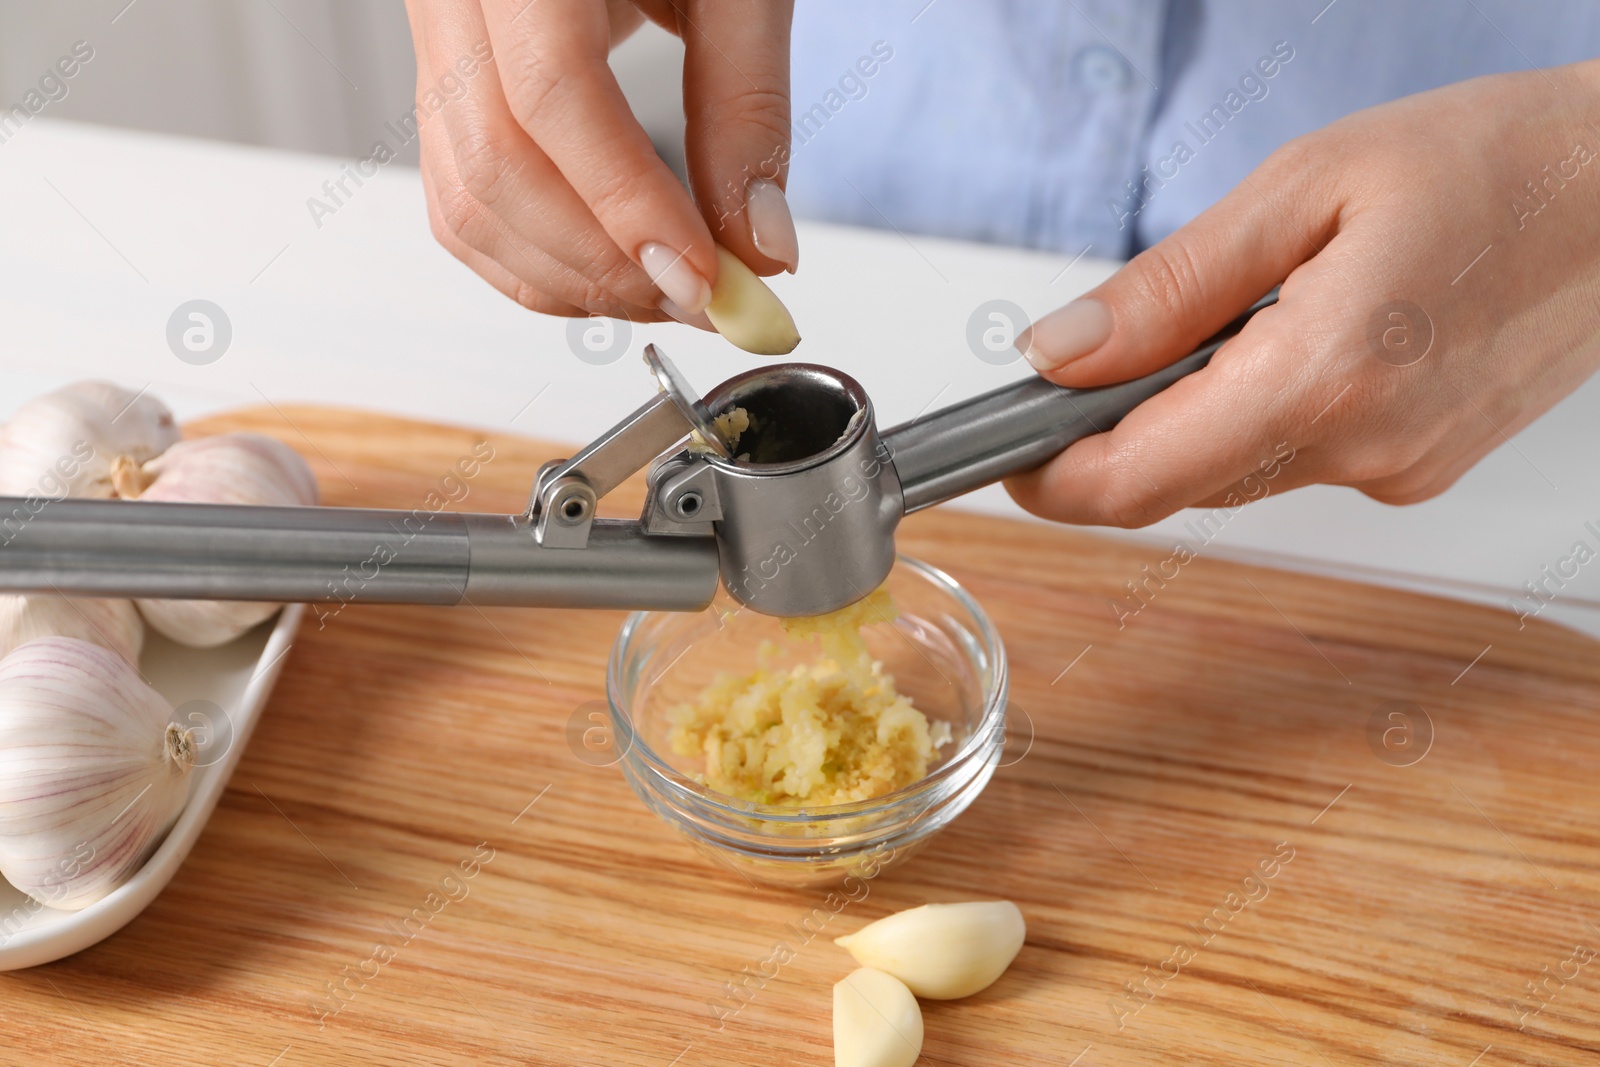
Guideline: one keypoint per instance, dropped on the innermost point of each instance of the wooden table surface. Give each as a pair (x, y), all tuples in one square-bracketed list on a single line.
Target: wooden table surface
[(1442, 912)]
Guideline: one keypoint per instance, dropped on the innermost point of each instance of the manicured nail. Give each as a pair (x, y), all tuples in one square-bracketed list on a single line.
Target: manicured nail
[(675, 276), (1066, 334), (771, 224), (698, 319)]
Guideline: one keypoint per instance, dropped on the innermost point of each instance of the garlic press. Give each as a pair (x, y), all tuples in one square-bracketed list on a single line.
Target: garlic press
[(795, 517)]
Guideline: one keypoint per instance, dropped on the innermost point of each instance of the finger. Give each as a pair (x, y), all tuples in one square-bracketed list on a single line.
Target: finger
[(460, 222), (625, 17), (416, 16), (736, 102), (529, 296), (1202, 435), (524, 201), (512, 286), (486, 268), (1173, 296), (561, 90)]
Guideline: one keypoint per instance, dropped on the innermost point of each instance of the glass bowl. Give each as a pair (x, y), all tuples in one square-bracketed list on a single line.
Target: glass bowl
[(943, 653)]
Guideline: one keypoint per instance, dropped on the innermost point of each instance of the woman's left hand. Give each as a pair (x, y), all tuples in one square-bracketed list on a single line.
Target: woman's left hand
[(1440, 263)]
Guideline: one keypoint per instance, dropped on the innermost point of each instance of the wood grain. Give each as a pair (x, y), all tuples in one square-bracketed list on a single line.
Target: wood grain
[(1144, 785)]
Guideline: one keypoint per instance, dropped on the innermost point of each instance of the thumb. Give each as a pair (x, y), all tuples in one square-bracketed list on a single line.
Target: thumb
[(1173, 296), (736, 102)]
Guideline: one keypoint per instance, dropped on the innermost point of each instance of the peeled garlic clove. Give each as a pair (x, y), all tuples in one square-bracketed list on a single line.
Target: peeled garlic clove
[(876, 1021), (112, 624), (746, 312), (235, 468), (64, 443), (942, 951), (93, 770)]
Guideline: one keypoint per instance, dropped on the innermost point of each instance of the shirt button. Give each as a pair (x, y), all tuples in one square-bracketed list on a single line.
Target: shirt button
[(1101, 69)]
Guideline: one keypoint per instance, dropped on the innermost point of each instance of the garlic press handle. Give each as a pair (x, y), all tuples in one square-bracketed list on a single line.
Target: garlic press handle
[(1021, 426), (556, 555), (336, 556)]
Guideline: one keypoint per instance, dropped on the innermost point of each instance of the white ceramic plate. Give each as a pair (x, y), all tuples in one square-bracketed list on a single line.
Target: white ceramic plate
[(235, 678)]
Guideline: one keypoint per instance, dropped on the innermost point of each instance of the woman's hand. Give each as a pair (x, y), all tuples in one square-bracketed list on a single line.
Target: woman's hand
[(539, 177), (1440, 261)]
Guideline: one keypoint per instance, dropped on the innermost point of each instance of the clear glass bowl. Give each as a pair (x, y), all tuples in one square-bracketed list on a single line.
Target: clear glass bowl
[(944, 654)]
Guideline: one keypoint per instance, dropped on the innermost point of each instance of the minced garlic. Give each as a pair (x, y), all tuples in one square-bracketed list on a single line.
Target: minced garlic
[(731, 424), (827, 732)]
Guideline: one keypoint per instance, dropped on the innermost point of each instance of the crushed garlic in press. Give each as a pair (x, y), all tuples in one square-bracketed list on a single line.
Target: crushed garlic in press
[(731, 424)]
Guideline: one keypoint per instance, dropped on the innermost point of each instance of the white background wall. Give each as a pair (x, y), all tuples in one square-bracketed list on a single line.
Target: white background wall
[(313, 75)]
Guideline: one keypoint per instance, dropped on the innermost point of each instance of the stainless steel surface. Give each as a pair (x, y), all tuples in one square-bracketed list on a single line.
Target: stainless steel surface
[(567, 491), (807, 525), (621, 567), (1018, 427), (342, 555), (801, 524), (682, 499), (563, 510), (676, 386)]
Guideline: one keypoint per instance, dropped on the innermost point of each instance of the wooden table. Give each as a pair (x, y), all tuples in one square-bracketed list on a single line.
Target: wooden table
[(1155, 768)]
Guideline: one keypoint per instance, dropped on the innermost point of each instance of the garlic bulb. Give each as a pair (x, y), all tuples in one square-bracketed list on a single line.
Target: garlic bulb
[(65, 443), (942, 951), (876, 1021), (236, 468), (93, 770), (113, 624)]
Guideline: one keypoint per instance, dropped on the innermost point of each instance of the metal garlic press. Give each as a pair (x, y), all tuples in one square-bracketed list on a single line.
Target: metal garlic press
[(796, 517)]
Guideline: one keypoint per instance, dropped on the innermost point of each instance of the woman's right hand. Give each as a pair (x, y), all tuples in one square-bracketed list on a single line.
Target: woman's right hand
[(539, 177)]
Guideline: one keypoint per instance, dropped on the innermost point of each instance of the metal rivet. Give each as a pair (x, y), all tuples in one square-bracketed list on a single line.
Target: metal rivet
[(574, 509)]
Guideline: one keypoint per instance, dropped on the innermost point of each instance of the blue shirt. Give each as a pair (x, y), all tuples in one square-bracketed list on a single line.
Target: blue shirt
[(1024, 122)]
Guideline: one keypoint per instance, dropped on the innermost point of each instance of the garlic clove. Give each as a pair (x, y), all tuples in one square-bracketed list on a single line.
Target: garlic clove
[(65, 443), (93, 770), (237, 468), (112, 624), (205, 623), (876, 1021), (748, 313), (942, 951), (230, 468)]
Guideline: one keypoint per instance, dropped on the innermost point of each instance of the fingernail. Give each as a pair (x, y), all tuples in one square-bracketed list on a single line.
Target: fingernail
[(676, 276), (771, 224), (698, 319), (1066, 334)]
